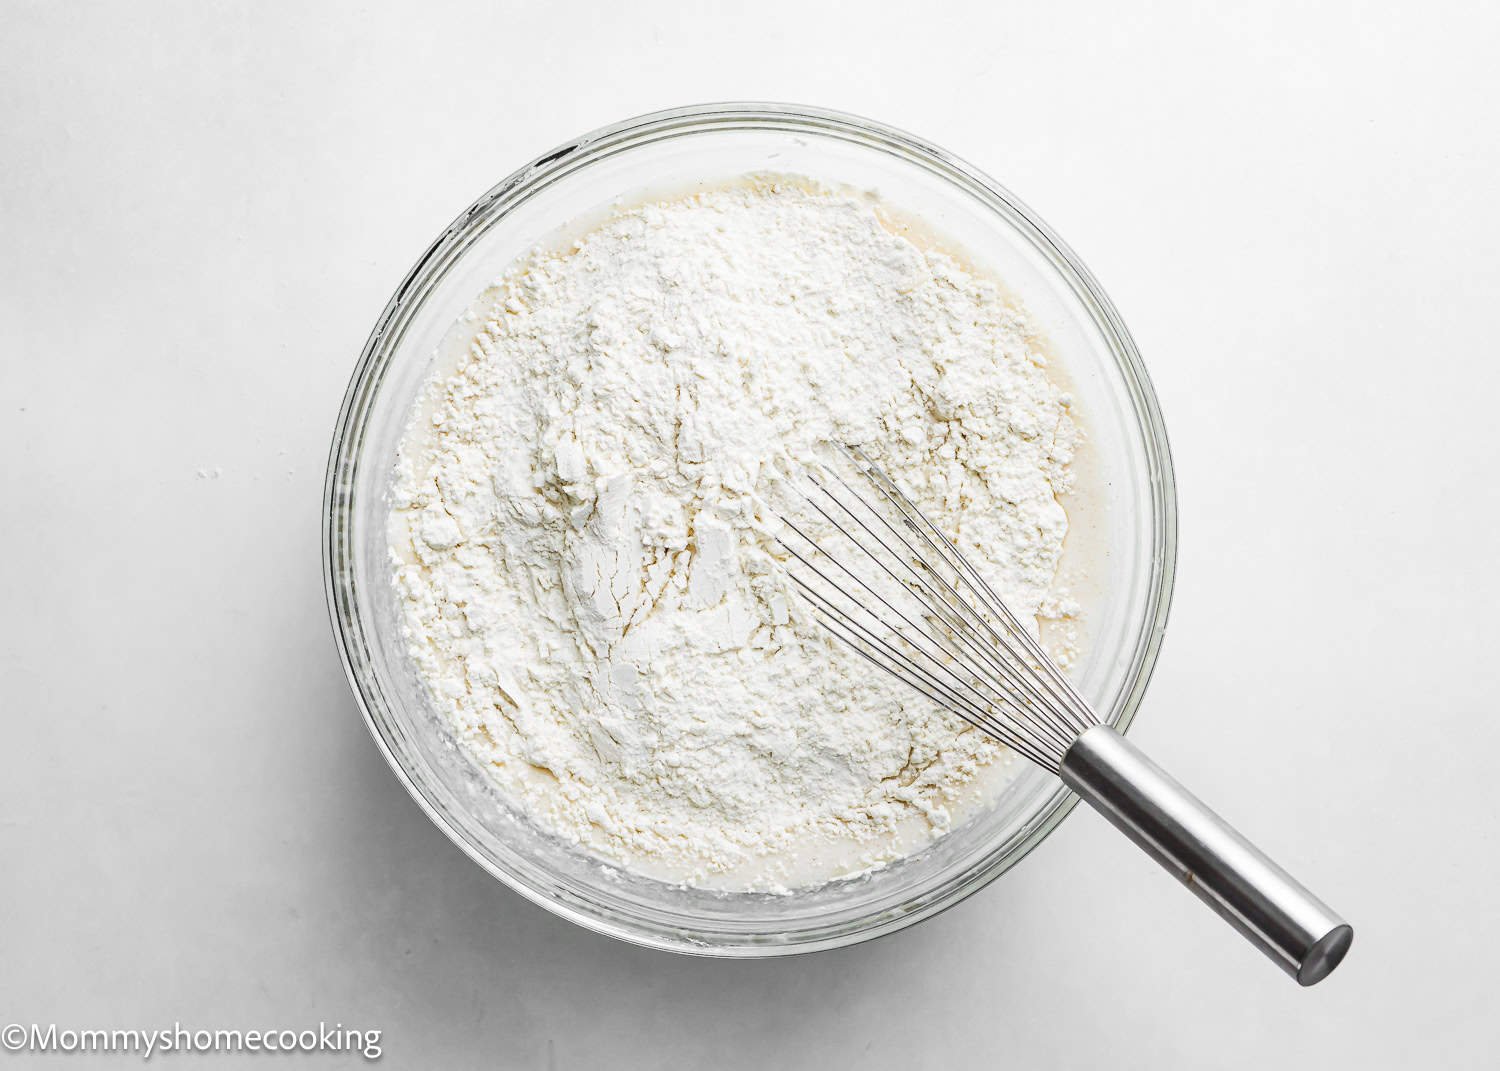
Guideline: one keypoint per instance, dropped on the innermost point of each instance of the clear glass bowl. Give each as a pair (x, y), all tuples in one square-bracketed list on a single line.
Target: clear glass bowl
[(679, 150)]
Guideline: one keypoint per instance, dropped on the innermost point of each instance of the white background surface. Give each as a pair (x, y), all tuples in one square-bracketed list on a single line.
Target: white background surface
[(204, 207)]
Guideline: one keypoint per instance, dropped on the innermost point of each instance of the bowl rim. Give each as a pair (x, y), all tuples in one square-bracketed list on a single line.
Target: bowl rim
[(364, 383)]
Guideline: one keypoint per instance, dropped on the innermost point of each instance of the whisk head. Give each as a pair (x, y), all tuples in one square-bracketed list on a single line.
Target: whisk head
[(886, 581)]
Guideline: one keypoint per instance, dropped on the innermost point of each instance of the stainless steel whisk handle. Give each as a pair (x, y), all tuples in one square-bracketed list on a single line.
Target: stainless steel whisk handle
[(1228, 873)]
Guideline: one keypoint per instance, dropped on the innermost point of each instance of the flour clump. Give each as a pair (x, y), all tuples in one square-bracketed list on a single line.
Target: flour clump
[(584, 529)]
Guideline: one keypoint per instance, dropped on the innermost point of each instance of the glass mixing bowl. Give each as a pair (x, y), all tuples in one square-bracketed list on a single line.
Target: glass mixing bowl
[(1132, 515)]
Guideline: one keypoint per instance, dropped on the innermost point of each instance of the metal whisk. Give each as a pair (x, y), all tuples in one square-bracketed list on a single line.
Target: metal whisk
[(889, 583)]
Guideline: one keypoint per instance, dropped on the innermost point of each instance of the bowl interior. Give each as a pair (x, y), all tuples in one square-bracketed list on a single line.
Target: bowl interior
[(1131, 516)]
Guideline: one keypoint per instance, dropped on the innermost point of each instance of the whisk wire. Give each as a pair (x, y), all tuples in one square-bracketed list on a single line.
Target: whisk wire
[(949, 607), (933, 654), (1078, 711), (950, 647), (964, 617), (942, 697)]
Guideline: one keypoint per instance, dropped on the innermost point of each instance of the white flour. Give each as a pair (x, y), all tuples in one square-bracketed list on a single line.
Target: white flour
[(586, 567)]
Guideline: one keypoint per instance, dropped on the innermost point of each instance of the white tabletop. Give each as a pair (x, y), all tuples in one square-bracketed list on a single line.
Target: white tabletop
[(203, 208)]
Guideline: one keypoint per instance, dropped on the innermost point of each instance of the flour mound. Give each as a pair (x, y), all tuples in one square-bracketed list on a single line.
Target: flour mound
[(584, 538)]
